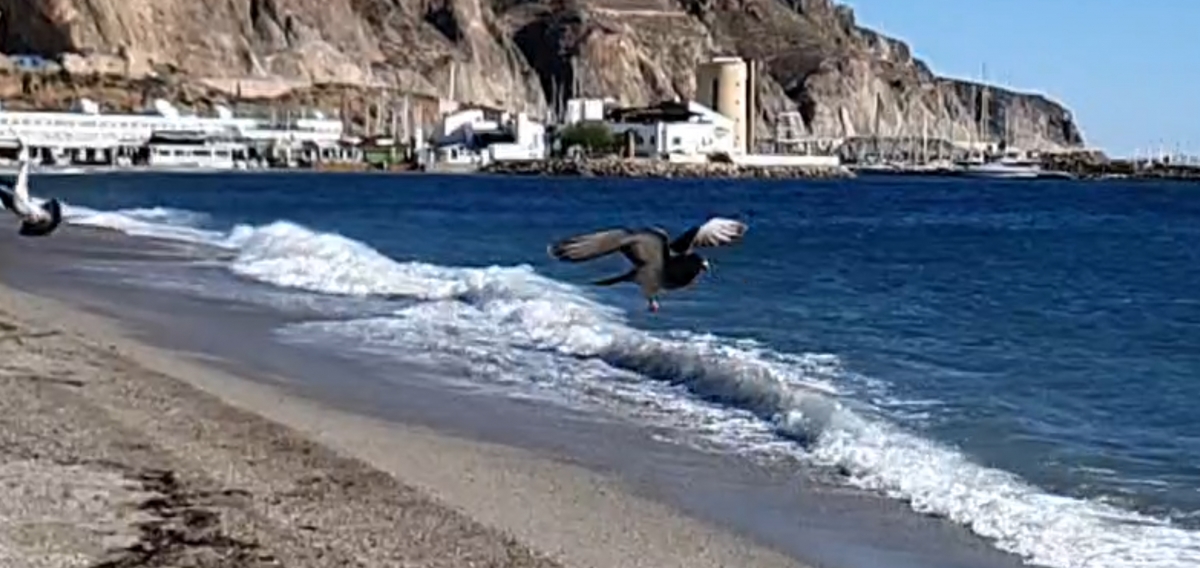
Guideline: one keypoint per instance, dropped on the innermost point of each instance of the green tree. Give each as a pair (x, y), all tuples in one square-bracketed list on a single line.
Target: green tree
[(593, 137)]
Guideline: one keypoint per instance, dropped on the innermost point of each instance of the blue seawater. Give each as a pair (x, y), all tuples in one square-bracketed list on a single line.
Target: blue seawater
[(1022, 358)]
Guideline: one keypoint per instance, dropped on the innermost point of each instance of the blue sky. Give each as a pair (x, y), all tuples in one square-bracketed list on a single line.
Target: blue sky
[(1129, 70)]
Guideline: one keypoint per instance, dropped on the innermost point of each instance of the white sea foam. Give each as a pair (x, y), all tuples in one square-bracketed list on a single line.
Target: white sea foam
[(512, 326)]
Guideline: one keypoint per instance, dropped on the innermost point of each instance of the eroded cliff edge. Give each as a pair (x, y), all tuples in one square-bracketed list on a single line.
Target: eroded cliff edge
[(843, 79)]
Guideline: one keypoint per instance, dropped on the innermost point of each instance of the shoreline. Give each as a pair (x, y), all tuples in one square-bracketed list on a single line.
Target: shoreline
[(812, 520), (636, 168), (170, 459), (648, 168)]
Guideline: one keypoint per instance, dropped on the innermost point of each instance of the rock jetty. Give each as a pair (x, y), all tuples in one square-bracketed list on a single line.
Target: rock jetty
[(1098, 166), (646, 168)]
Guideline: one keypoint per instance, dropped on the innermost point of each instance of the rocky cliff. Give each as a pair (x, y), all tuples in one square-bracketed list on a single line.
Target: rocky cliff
[(842, 79)]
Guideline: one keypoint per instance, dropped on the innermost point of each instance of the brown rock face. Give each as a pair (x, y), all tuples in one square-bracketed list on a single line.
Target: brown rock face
[(409, 45), (843, 80)]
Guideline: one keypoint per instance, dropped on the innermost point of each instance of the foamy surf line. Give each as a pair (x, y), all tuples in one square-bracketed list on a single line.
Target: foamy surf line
[(519, 327)]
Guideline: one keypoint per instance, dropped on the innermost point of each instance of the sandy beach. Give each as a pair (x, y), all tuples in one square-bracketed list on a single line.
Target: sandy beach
[(114, 453)]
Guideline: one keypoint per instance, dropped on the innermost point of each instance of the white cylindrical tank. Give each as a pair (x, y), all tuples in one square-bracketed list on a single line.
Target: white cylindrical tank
[(721, 84)]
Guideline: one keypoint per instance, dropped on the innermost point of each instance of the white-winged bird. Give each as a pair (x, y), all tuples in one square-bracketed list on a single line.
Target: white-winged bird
[(659, 263), (37, 220)]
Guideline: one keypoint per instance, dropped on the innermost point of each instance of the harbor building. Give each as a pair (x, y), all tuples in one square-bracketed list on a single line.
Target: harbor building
[(164, 136), (675, 131), (586, 110), (195, 150), (718, 123), (469, 138), (679, 131)]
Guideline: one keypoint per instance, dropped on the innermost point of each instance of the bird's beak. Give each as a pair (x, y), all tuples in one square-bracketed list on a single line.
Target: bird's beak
[(705, 264)]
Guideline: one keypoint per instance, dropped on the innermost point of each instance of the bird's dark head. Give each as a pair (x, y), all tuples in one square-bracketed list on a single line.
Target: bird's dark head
[(695, 264), (684, 270)]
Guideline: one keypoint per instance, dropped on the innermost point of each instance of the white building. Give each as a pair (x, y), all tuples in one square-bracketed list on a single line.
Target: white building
[(676, 130), (213, 155), (476, 137), (86, 135), (586, 110)]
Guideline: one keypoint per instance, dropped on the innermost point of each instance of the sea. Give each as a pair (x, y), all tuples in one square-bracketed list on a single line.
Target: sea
[(1013, 364)]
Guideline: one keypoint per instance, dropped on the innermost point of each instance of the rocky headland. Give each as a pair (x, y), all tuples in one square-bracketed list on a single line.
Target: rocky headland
[(843, 80)]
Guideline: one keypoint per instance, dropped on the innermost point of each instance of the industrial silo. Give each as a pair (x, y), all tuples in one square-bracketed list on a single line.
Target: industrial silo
[(727, 85)]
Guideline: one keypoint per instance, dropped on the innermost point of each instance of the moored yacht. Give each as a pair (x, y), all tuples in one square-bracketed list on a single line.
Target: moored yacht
[(1009, 165)]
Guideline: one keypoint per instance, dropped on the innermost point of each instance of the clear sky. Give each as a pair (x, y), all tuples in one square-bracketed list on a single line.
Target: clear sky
[(1129, 70)]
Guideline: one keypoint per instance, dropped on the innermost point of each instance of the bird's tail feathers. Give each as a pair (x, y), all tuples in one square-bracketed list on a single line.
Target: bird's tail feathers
[(627, 277)]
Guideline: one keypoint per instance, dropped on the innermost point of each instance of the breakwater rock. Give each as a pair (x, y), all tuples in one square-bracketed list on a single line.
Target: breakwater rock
[(661, 169), (1098, 166)]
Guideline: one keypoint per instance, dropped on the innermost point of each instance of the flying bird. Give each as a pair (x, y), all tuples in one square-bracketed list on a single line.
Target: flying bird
[(659, 263), (36, 219)]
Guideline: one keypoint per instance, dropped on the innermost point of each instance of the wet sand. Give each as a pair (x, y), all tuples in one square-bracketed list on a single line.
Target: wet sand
[(115, 453)]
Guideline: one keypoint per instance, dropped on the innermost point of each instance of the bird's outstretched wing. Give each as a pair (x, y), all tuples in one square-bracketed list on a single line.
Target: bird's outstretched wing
[(717, 231), (21, 185), (641, 247), (15, 198), (6, 198)]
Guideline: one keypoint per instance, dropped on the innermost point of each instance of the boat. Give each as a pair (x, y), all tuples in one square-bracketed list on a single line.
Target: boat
[(1010, 165), (1002, 161), (932, 168), (1007, 166), (923, 164), (877, 168)]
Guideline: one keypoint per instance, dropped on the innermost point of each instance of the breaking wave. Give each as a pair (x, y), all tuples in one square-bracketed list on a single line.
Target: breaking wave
[(508, 326)]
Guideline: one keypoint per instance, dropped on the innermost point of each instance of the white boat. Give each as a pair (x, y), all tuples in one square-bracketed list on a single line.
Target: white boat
[(878, 168), (1002, 169), (1010, 165), (917, 169)]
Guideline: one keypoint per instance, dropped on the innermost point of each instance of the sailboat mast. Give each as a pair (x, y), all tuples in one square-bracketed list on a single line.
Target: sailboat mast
[(942, 122), (973, 132), (1007, 136), (875, 128), (984, 132), (924, 137), (395, 119)]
